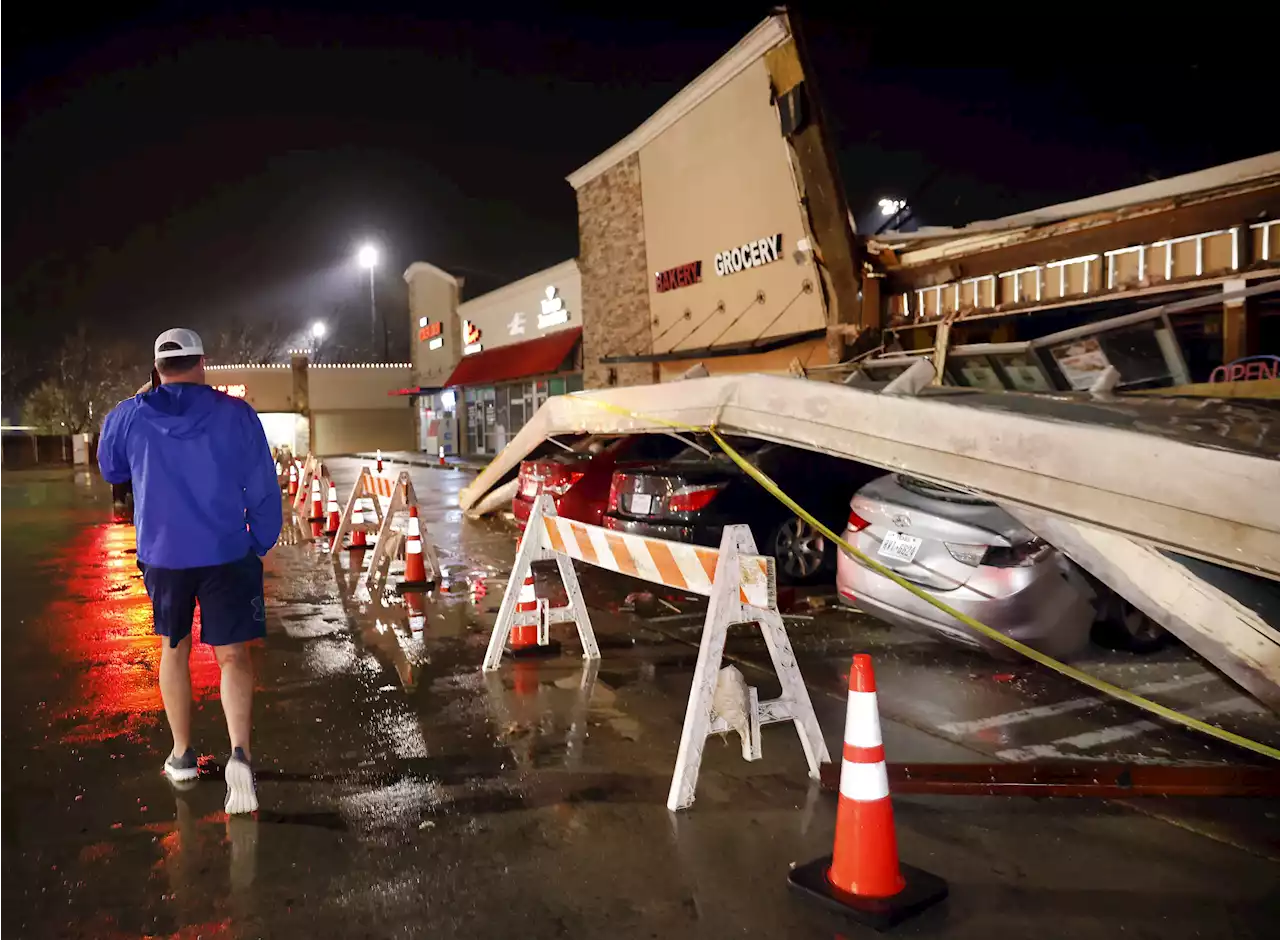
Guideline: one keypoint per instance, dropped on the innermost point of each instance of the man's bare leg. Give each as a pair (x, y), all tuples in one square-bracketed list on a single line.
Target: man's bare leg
[(237, 705), (175, 690), (237, 693)]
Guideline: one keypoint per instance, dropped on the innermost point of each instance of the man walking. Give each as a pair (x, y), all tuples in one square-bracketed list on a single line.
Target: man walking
[(207, 507)]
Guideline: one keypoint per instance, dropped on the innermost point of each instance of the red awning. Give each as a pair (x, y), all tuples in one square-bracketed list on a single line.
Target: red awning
[(539, 356)]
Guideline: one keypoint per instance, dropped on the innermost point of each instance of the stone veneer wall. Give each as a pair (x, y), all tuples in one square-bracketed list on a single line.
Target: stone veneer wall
[(615, 277)]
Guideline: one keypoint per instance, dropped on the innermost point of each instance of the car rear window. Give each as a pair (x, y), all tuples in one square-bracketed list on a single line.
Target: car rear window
[(937, 491)]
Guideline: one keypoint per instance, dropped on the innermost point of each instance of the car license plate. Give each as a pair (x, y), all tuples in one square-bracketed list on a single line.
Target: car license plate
[(641, 504), (529, 488), (899, 546)]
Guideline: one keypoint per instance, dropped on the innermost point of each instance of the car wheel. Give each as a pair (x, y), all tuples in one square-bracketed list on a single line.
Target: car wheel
[(1121, 626), (800, 550)]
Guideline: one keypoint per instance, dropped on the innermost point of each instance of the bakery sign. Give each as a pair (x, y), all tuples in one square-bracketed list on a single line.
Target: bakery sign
[(682, 275), (751, 255)]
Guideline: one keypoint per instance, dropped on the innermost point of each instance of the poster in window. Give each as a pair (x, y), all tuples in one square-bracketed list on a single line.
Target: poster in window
[(1081, 362)]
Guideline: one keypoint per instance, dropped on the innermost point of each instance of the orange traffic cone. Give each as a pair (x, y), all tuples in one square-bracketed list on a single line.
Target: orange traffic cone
[(293, 479), (524, 637), (862, 877), (335, 514), (415, 570), (359, 540), (317, 503)]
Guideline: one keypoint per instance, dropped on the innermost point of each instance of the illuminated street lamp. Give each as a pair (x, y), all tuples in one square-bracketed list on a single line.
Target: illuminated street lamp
[(891, 207), (318, 329), (367, 258)]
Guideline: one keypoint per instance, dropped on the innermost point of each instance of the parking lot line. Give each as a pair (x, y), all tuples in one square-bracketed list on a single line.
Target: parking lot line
[(1091, 739), (1061, 708)]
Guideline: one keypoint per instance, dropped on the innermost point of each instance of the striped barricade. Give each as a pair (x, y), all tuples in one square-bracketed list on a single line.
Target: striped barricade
[(741, 587), (310, 467), (391, 529), (678, 565), (382, 487)]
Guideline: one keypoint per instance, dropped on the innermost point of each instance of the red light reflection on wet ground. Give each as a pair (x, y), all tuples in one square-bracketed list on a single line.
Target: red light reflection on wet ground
[(101, 624)]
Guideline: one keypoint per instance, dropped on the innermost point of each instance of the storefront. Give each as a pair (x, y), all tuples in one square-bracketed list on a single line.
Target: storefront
[(484, 367), (695, 248), (324, 408)]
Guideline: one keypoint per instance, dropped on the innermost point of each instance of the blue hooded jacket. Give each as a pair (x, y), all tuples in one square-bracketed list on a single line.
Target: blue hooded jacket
[(201, 469)]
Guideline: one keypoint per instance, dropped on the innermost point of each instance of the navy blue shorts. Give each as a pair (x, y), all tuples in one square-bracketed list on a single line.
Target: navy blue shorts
[(230, 597)]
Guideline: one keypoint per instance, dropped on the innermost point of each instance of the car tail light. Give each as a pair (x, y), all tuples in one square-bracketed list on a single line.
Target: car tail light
[(1022, 555), (856, 522), (615, 491), (692, 498), (967, 554), (560, 480)]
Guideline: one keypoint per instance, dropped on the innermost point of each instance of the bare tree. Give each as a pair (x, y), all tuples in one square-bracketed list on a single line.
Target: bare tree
[(85, 379), (237, 340)]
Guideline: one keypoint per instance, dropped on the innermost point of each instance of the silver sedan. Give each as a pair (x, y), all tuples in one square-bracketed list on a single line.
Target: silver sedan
[(970, 554)]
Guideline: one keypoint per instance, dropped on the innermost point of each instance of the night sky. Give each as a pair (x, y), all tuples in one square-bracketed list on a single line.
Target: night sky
[(163, 167)]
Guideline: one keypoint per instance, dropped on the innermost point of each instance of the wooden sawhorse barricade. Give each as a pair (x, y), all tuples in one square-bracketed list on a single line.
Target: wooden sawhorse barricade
[(741, 586), (399, 496)]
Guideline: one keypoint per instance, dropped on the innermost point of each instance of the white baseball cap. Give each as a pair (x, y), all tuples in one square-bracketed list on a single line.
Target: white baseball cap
[(178, 342)]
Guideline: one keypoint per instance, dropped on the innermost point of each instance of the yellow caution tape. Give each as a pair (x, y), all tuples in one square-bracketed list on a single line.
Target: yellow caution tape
[(982, 629)]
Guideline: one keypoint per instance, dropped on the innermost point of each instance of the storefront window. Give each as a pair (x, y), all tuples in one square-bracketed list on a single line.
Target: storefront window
[(1024, 372), (496, 414)]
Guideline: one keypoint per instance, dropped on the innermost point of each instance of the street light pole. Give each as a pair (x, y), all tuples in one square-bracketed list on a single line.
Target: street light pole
[(368, 258), (373, 320)]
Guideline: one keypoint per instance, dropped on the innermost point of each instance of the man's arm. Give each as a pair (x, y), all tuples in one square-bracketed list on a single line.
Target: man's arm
[(263, 509), (113, 458)]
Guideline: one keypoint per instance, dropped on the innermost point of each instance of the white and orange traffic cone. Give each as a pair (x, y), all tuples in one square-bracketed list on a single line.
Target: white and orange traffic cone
[(317, 501), (862, 877), (335, 514), (415, 569), (293, 479), (524, 637), (359, 541)]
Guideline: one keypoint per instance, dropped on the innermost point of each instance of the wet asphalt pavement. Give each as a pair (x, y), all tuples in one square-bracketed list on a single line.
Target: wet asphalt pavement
[(404, 794)]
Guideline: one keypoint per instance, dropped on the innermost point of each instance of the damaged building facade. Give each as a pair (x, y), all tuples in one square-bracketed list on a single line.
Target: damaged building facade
[(696, 244), (1204, 248)]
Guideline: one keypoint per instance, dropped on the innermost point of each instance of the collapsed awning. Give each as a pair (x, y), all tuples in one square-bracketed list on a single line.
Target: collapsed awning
[(1116, 483), (519, 360), (1165, 470)]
